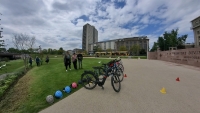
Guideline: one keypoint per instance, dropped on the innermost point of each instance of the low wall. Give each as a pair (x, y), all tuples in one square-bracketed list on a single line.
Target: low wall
[(152, 55), (190, 56)]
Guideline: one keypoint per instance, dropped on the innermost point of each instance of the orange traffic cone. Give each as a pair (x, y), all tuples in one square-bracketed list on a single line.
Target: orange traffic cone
[(178, 79), (125, 75)]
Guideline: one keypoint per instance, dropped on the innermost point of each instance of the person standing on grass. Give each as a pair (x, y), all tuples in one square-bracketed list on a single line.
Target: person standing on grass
[(30, 61), (67, 60), (80, 58), (47, 59), (37, 61), (74, 60)]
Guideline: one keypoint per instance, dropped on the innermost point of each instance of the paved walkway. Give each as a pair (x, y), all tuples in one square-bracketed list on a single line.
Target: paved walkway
[(140, 91)]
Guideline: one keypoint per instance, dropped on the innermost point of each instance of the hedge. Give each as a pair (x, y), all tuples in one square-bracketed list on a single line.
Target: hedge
[(10, 81)]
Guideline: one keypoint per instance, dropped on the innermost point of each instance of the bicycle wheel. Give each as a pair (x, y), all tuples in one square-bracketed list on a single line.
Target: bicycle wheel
[(115, 82), (121, 67), (120, 73), (89, 81)]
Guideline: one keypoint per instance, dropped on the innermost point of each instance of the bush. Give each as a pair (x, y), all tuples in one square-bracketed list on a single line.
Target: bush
[(9, 81), (6, 59)]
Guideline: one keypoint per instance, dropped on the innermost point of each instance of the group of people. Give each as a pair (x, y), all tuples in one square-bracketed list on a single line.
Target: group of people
[(74, 58), (38, 61)]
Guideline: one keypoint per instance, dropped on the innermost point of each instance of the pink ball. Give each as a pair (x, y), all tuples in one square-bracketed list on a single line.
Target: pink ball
[(74, 85)]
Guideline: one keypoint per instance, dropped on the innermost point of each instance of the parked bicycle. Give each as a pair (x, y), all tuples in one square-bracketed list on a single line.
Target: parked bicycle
[(116, 67), (90, 79)]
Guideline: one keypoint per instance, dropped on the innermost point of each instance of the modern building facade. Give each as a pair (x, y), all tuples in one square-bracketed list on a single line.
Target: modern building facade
[(115, 45), (104, 45), (89, 36), (196, 29), (142, 41), (76, 50)]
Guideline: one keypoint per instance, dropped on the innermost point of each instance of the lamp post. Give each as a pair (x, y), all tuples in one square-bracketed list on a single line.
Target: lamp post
[(40, 49)]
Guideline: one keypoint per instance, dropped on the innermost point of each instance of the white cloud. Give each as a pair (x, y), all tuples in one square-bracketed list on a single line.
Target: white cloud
[(47, 19)]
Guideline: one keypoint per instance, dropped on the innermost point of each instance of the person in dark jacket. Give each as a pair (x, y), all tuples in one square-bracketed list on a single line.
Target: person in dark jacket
[(74, 60), (67, 61), (30, 61), (80, 58), (47, 59), (37, 61)]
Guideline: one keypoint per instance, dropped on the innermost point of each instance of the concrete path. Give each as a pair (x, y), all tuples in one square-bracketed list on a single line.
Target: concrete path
[(140, 91)]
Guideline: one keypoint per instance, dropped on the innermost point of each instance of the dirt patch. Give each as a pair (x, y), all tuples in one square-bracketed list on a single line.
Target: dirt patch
[(16, 95)]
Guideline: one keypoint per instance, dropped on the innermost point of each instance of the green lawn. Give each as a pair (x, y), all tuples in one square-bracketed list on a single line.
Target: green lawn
[(11, 66), (42, 81)]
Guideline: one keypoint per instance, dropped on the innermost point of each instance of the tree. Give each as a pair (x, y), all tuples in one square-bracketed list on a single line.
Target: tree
[(135, 49), (181, 41), (54, 51), (154, 48), (95, 48), (142, 52), (23, 42), (109, 50), (13, 50), (3, 49), (122, 48), (45, 51), (60, 51), (49, 51), (99, 49), (85, 52), (170, 39)]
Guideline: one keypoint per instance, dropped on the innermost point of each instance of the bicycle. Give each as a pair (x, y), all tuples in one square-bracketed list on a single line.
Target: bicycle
[(115, 66), (92, 78)]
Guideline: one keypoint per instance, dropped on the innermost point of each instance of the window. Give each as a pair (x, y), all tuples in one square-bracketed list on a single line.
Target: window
[(196, 22), (198, 32)]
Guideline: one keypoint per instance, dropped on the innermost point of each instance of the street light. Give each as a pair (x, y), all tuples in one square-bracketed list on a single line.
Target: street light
[(40, 49)]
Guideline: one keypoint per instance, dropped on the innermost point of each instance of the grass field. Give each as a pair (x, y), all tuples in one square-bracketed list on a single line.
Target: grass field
[(29, 94), (11, 66)]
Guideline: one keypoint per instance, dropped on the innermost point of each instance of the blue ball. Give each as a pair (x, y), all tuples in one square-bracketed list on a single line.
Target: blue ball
[(67, 89), (58, 94)]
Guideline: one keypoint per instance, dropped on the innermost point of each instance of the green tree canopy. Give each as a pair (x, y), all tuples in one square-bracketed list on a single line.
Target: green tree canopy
[(60, 51), (122, 48), (170, 39), (108, 50), (135, 49), (155, 46)]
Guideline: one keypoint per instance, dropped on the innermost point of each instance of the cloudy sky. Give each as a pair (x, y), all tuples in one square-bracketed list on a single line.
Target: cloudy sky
[(59, 23)]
